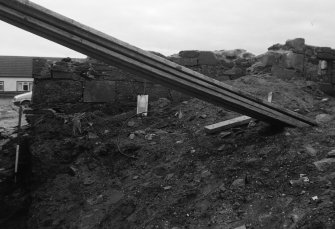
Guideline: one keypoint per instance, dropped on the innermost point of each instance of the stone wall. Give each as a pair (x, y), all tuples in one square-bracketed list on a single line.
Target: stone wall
[(221, 65), (66, 82), (89, 82), (296, 59)]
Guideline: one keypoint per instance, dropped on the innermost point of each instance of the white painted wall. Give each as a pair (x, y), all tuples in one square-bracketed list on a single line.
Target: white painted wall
[(10, 83)]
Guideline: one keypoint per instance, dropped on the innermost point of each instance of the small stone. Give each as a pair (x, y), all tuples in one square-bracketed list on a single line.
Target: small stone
[(265, 170), (315, 198), (149, 137), (238, 183), (222, 188), (323, 118), (131, 123), (89, 181), (331, 153), (310, 150), (221, 148), (203, 116), (252, 162), (92, 135), (224, 134), (167, 187), (72, 170), (169, 176), (179, 142), (205, 173), (131, 136), (135, 177), (241, 227), (139, 132), (324, 164)]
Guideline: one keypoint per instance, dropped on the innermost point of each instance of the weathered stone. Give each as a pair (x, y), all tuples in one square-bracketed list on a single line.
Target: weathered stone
[(310, 150), (326, 56), (238, 183), (207, 58), (331, 153), (241, 227), (189, 53), (325, 164), (292, 60), (297, 44), (186, 61), (57, 91), (65, 75), (269, 58), (41, 68), (325, 53), (99, 91), (323, 118)]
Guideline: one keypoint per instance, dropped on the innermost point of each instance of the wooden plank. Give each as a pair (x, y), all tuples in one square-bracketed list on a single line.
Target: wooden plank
[(221, 126), (65, 31)]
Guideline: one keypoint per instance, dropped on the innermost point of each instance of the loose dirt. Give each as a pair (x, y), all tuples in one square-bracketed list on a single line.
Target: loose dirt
[(164, 171)]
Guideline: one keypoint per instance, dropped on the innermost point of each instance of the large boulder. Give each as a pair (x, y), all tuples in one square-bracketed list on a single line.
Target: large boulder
[(270, 58), (207, 58), (293, 60), (189, 53), (297, 44)]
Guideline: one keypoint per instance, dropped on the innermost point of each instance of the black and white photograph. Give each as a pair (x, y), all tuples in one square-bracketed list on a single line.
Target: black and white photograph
[(156, 114)]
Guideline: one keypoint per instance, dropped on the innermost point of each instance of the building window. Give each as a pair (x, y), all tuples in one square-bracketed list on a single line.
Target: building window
[(24, 86), (2, 86)]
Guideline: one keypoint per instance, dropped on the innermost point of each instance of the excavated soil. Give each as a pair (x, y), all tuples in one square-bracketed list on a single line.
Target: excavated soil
[(99, 170)]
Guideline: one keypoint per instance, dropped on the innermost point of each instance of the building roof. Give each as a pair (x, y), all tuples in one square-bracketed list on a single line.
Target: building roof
[(16, 66)]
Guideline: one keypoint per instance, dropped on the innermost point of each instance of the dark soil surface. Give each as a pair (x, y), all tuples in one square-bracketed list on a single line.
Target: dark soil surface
[(97, 170)]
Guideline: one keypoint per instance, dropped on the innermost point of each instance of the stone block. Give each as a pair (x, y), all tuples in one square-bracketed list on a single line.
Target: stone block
[(269, 58), (291, 60), (207, 58), (326, 55), (186, 61), (65, 75), (297, 44), (57, 91), (189, 53), (99, 91), (325, 164), (41, 68)]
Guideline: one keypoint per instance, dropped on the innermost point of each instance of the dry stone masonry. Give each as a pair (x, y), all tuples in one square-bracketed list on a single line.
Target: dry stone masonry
[(85, 81)]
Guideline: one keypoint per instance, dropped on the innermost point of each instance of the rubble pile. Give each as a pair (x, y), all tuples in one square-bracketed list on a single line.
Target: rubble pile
[(221, 65), (295, 60), (93, 168)]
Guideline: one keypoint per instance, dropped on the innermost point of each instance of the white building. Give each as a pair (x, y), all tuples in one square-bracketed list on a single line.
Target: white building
[(16, 74)]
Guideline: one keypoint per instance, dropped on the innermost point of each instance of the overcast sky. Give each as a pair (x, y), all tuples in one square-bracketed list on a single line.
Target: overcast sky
[(168, 26)]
